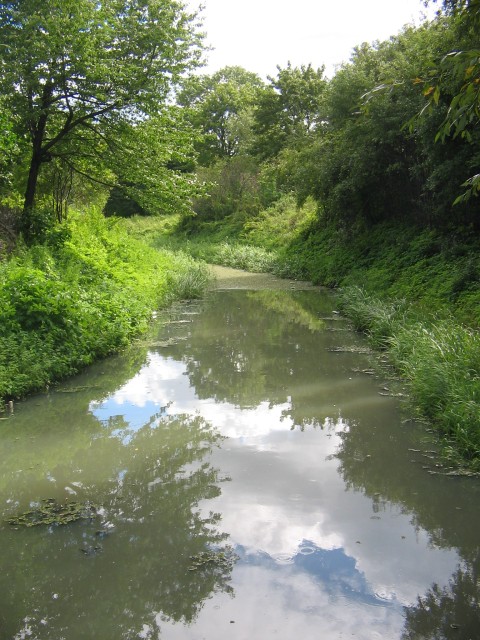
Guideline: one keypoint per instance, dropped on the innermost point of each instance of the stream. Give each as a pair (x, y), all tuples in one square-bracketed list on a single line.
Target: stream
[(246, 471)]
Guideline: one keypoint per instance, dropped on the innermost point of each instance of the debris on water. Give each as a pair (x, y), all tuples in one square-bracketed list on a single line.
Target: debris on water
[(51, 512), (392, 395), (106, 530), (77, 389), (170, 342), (368, 372), (224, 558), (359, 350), (91, 550)]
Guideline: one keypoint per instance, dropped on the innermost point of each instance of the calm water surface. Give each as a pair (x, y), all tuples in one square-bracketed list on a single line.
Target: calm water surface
[(249, 478)]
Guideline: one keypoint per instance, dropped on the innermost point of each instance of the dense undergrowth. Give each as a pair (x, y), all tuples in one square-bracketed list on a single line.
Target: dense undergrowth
[(415, 292), (87, 291)]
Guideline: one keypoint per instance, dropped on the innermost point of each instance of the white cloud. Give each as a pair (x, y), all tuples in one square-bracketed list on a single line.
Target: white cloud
[(286, 492)]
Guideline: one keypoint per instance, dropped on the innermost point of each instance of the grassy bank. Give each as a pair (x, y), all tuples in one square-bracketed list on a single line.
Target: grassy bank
[(414, 292), (86, 292), (439, 360)]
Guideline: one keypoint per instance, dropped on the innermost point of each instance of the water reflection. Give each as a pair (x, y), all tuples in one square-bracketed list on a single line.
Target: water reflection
[(339, 528), (449, 612), (108, 576)]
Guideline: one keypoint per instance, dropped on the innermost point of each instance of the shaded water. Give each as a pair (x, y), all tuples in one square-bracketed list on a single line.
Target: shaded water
[(250, 480)]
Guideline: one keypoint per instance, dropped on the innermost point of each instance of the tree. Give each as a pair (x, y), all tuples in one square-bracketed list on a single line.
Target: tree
[(454, 79), (10, 145), (458, 73), (289, 109), (449, 612), (367, 165), (75, 72), (221, 106)]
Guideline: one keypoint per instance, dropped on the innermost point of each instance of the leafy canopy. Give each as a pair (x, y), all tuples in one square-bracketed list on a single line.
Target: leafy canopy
[(74, 72), (289, 109), (220, 106)]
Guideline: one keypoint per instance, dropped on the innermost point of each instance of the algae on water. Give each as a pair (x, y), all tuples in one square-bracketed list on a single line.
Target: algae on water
[(51, 512)]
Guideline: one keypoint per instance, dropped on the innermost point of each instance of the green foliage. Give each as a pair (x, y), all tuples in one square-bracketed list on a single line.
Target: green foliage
[(80, 297), (439, 361), (189, 280), (442, 364), (220, 106), (280, 224), (78, 74), (448, 75), (288, 110), (234, 254), (9, 145), (369, 166), (157, 161), (233, 188), (378, 319), (120, 204)]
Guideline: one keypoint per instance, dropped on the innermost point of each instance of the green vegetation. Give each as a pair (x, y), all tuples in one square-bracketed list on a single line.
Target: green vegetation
[(367, 179), (87, 122), (414, 292), (86, 292), (439, 360), (50, 512), (87, 87)]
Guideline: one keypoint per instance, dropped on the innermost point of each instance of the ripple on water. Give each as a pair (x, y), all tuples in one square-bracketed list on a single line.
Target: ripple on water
[(283, 558), (306, 550)]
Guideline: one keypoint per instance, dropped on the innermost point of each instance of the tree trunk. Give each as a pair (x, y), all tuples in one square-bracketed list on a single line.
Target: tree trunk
[(32, 181), (27, 221), (38, 156)]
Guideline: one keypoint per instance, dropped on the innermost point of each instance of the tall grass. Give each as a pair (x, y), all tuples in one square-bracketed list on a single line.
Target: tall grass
[(237, 255), (439, 361), (378, 319), (189, 279)]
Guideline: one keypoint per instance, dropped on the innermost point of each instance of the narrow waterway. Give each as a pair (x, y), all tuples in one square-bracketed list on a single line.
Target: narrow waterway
[(247, 472)]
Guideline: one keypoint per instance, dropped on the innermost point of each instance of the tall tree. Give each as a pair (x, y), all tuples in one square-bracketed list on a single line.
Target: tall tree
[(220, 105), (288, 109), (74, 71)]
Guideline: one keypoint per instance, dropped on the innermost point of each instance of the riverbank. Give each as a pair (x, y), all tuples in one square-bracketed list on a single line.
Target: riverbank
[(414, 292), (84, 293)]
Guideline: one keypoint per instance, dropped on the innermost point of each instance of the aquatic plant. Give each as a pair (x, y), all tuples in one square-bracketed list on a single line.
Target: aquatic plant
[(49, 512)]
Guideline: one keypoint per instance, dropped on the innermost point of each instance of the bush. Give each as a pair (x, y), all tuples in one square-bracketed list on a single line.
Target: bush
[(87, 294)]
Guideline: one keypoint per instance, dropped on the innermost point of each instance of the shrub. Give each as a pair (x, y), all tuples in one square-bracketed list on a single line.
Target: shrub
[(67, 303)]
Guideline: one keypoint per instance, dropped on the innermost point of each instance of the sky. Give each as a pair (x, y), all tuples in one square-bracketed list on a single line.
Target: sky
[(261, 34)]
